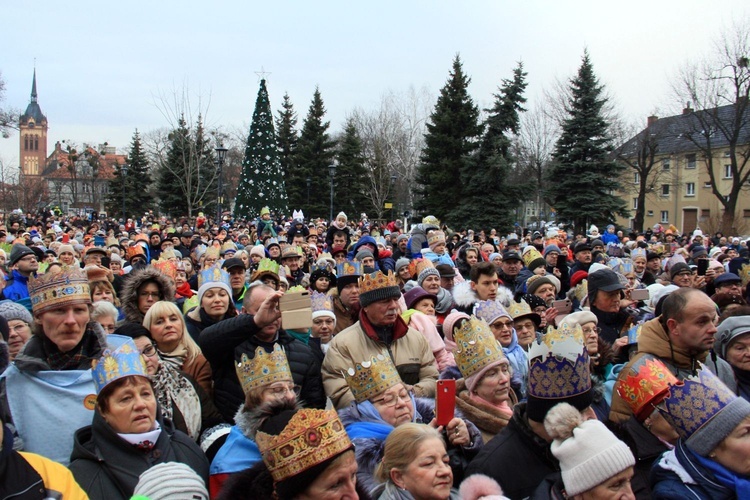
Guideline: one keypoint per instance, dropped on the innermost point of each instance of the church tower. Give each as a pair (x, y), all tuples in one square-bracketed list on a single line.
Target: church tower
[(33, 136)]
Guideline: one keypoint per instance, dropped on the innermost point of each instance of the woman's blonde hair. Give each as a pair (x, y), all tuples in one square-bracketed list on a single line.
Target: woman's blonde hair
[(165, 308), (401, 447)]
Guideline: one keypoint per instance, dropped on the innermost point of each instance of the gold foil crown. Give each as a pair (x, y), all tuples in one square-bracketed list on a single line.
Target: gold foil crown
[(376, 281), (263, 369), (55, 290), (310, 438), (476, 347), (370, 378)]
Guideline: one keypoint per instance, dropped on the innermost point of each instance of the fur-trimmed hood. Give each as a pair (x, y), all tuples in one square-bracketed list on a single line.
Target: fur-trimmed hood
[(249, 420), (133, 281), (465, 298)]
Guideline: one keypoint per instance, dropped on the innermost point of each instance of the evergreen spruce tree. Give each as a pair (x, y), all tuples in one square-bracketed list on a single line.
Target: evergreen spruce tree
[(583, 176), (137, 182), (172, 200), (262, 183), (488, 171), (205, 173), (286, 135), (451, 139), (351, 176), (314, 155)]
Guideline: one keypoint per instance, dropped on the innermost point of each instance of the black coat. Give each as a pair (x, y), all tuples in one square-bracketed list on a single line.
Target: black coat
[(516, 458), (223, 345), (106, 466)]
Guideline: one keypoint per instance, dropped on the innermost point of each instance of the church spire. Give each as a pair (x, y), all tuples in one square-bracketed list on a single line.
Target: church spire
[(33, 88)]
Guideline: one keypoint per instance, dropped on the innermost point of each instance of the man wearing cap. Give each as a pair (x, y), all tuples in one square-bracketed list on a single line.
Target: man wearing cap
[(236, 269), (380, 330), (290, 258), (582, 255), (682, 338), (23, 264), (728, 283), (345, 296), (447, 275), (509, 271)]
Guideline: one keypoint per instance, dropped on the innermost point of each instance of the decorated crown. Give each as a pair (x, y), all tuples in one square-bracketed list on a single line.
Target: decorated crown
[(645, 386), (166, 267), (135, 251), (214, 274), (693, 402), (416, 266), (228, 246), (267, 265), (373, 377), (436, 237), (531, 254), (376, 281), (745, 274), (50, 291), (348, 268), (489, 310), (627, 267), (291, 252), (518, 309), (122, 361), (212, 252), (559, 364), (637, 252), (263, 369), (320, 302), (476, 347), (310, 438), (95, 273)]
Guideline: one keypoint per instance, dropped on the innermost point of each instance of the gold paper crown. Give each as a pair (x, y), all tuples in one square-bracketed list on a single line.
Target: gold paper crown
[(166, 267), (376, 281), (263, 369), (55, 290), (291, 252), (310, 438), (373, 377), (530, 255), (745, 274), (476, 347), (518, 309)]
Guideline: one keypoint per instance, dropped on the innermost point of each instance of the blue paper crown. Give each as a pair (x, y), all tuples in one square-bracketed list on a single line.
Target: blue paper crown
[(349, 268), (489, 310), (116, 363), (214, 274), (320, 302)]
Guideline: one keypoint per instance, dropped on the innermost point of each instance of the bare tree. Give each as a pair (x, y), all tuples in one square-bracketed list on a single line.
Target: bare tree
[(9, 117), (719, 128), (534, 146)]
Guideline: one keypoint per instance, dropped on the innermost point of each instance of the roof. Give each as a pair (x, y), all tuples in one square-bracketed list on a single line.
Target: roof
[(33, 110), (57, 165)]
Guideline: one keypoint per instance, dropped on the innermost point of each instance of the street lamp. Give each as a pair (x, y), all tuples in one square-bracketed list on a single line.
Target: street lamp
[(394, 177), (332, 172), (123, 174), (221, 153), (308, 181)]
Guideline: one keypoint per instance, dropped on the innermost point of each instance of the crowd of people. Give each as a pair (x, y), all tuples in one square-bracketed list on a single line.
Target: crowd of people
[(151, 358)]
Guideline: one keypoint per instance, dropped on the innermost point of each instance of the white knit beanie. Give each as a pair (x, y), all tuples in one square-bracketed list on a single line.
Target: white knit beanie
[(588, 452), (171, 481)]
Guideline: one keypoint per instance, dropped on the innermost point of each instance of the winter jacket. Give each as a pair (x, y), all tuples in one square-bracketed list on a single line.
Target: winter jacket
[(18, 289), (677, 475), (329, 236), (654, 342), (465, 298), (223, 345), (613, 325), (425, 325), (344, 317), (239, 452), (418, 240), (516, 458), (107, 466), (382, 263), (408, 350), (133, 281)]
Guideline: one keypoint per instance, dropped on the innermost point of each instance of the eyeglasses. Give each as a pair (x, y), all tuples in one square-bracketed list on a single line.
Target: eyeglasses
[(149, 351), (19, 328), (589, 331), (502, 325), (393, 399), (154, 295), (280, 390)]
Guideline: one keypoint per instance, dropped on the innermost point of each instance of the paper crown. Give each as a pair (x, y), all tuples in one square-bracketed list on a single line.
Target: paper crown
[(310, 438), (228, 246), (436, 237), (559, 364), (263, 369), (645, 386), (55, 290), (135, 251), (290, 252), (431, 219), (691, 403), (122, 361), (166, 267), (489, 310), (637, 253), (518, 309), (214, 274), (581, 290), (416, 266), (530, 255), (268, 266), (745, 274), (320, 302), (212, 252), (373, 377), (476, 347), (376, 281)]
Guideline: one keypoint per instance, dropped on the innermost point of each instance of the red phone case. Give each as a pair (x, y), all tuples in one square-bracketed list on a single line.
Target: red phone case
[(445, 401)]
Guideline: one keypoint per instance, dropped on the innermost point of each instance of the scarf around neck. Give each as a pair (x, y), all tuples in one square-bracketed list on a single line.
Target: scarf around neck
[(727, 478), (176, 358), (174, 390)]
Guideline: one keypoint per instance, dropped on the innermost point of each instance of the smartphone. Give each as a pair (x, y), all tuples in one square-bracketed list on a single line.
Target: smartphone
[(105, 262), (702, 267), (562, 261), (445, 401), (639, 294), (564, 306)]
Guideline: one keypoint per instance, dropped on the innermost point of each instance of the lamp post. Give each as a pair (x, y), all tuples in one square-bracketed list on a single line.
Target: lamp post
[(221, 153), (308, 181), (332, 172), (123, 175), (394, 177)]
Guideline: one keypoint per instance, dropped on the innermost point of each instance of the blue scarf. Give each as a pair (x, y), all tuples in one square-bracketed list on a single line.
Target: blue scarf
[(737, 483), (372, 425)]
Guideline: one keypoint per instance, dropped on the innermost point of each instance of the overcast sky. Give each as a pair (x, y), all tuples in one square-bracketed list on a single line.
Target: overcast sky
[(101, 66)]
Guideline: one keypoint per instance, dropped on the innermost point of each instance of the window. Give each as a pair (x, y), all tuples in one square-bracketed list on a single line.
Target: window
[(665, 189), (635, 203), (727, 171), (664, 216), (727, 154), (637, 178), (690, 161), (665, 164), (707, 185), (650, 213), (746, 213), (690, 189), (705, 214)]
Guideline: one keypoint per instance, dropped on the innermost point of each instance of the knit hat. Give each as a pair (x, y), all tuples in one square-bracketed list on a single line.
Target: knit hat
[(401, 237), (581, 318), (171, 481), (13, 311), (577, 277), (450, 321), (480, 487), (18, 252), (698, 252), (588, 452), (427, 271), (115, 257), (401, 263), (551, 248), (65, 249), (416, 294), (377, 286), (363, 254), (534, 301), (436, 238), (258, 250), (494, 255), (534, 282), (342, 215), (729, 330), (678, 268)]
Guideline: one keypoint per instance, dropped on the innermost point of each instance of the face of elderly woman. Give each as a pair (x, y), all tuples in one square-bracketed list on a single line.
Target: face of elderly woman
[(167, 331), (131, 408), (734, 452), (394, 405), (428, 476), (495, 384), (738, 353), (591, 337), (65, 325), (616, 487), (607, 301), (338, 481)]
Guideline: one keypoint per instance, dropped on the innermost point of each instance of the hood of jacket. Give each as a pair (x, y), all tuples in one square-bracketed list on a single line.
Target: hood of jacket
[(654, 340), (133, 281), (364, 240)]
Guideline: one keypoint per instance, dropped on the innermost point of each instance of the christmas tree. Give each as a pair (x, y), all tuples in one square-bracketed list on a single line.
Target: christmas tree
[(262, 183)]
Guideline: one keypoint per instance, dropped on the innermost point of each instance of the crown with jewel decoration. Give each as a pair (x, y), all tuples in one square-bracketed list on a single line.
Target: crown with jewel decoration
[(376, 281), (489, 310), (349, 268), (370, 378), (122, 361), (321, 305), (476, 347), (645, 386), (212, 275), (166, 267), (559, 364), (745, 274), (50, 291), (416, 266), (311, 437), (520, 309), (263, 369), (637, 253)]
